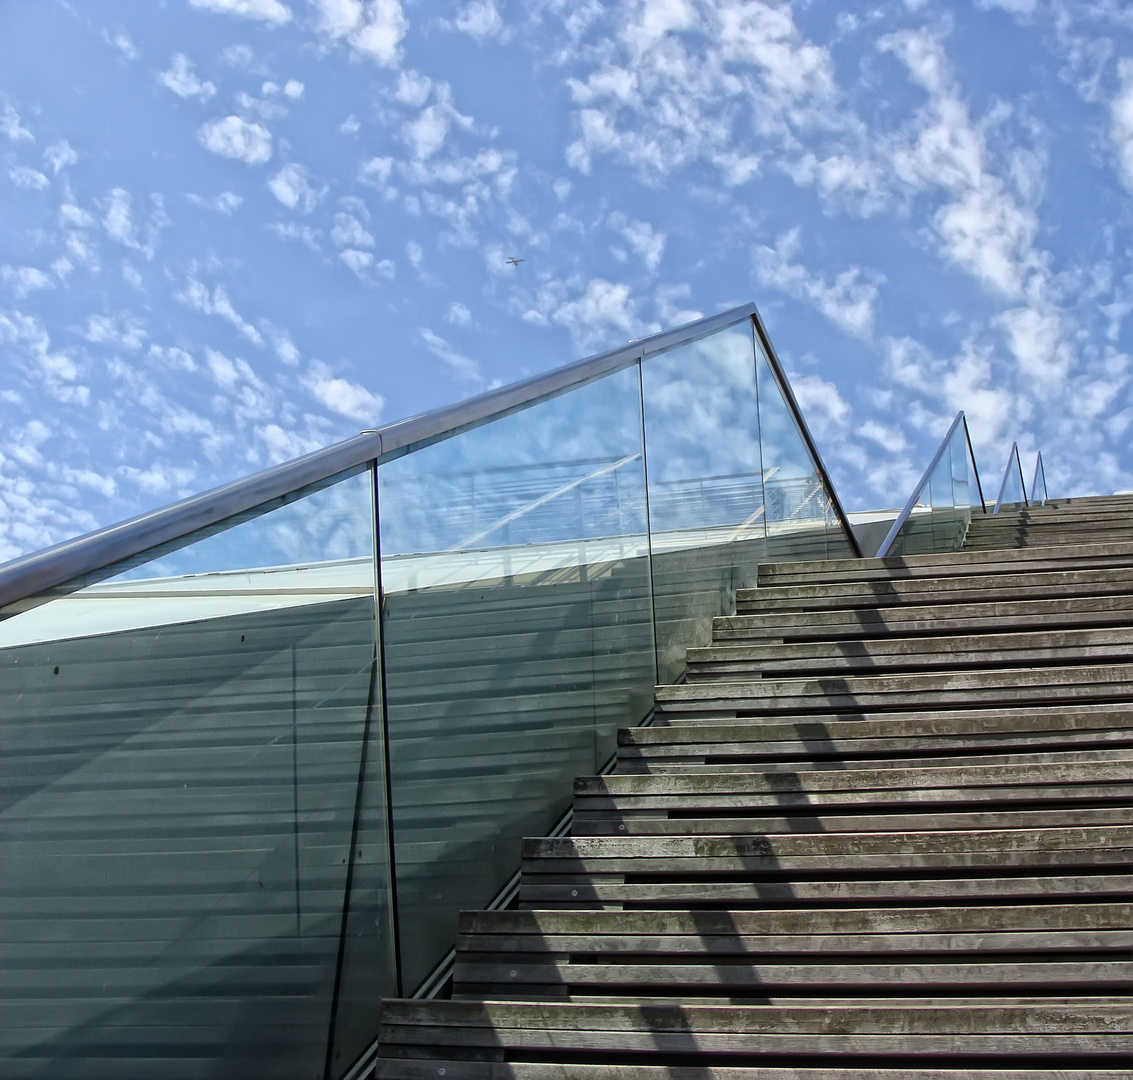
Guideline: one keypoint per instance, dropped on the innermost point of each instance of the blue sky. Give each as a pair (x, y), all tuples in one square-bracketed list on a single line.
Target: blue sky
[(232, 231)]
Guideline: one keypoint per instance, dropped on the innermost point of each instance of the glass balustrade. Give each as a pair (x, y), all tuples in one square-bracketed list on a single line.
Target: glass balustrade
[(242, 798), (181, 755), (1038, 484), (1012, 491), (938, 513), (706, 495), (518, 636)]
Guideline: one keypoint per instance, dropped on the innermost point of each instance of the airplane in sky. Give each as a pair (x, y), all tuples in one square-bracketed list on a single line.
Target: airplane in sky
[(513, 261)]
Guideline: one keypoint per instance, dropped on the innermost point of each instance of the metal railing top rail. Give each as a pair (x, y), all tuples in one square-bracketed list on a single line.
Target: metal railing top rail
[(902, 517), (1012, 458), (39, 571)]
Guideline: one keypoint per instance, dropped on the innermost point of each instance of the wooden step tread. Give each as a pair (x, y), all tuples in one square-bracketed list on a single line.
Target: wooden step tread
[(1031, 918)]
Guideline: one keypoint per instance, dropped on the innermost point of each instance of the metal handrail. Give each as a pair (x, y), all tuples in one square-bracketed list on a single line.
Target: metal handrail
[(902, 517), (796, 414), (70, 560), (1012, 455)]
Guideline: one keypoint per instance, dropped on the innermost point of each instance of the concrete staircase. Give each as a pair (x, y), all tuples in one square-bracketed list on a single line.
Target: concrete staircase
[(883, 830)]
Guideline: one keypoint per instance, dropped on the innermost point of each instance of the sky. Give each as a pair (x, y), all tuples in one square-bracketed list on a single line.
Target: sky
[(234, 231)]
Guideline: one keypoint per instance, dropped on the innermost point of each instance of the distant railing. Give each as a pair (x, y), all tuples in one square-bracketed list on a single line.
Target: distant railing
[(1012, 489), (1038, 485), (936, 516)]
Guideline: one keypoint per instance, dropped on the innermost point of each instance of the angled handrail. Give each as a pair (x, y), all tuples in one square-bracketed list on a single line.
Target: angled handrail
[(902, 517), (1012, 456), (254, 495), (796, 414), (1040, 477)]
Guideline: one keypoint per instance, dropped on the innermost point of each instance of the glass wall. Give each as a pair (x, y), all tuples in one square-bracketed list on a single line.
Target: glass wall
[(941, 510), (242, 799), (177, 790)]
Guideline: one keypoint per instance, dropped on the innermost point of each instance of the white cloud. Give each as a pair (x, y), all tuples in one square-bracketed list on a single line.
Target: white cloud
[(227, 202), (59, 155), (886, 437), (293, 89), (426, 134), (54, 369), (671, 305), (225, 371), (281, 445), (461, 366), (1037, 341), (1122, 122), (343, 397), (413, 88), (984, 229), (292, 188), (847, 301), (819, 399), (23, 280), (285, 348), (349, 232), (196, 295), (458, 313), (261, 107), (373, 28), (970, 385), (237, 56), (292, 230), (122, 331), (479, 19), (1014, 7), (11, 127), (375, 172), (988, 234), (118, 217), (118, 221), (121, 41), (358, 261), (241, 140), (645, 242), (271, 11), (415, 253), (605, 305), (173, 357), (28, 179), (182, 79), (682, 80)]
